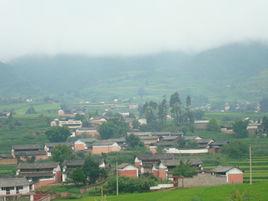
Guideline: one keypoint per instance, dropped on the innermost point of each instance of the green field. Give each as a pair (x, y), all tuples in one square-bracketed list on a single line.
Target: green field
[(27, 129), (256, 192)]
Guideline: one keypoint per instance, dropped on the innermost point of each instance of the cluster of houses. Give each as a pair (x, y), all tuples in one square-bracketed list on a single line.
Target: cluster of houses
[(40, 172)]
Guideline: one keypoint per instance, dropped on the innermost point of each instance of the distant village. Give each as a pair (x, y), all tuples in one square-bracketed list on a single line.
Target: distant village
[(35, 169)]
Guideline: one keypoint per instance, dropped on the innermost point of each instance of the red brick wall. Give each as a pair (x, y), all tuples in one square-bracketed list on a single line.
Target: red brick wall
[(44, 183), (102, 149), (235, 178), (128, 173), (8, 161), (162, 174)]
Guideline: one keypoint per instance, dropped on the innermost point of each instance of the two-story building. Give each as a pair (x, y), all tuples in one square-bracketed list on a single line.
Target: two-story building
[(13, 188)]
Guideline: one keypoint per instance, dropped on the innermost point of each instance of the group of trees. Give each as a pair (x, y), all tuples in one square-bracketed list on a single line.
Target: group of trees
[(156, 113), (114, 127), (88, 174), (240, 128), (235, 150), (130, 185), (57, 134)]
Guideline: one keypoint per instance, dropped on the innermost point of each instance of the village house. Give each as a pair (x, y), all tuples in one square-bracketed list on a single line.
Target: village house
[(128, 170), (203, 143), (161, 165), (160, 171), (50, 146), (233, 175), (28, 152), (215, 147), (145, 162), (7, 159), (4, 114), (90, 132), (149, 140), (12, 188), (41, 174), (66, 114), (95, 122), (201, 124), (253, 128), (227, 130), (105, 146), (70, 123), (84, 144), (69, 166), (186, 151)]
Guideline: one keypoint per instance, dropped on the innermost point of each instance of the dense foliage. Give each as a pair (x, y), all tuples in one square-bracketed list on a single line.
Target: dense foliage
[(92, 171), (115, 127), (235, 150), (61, 153), (130, 185), (57, 134), (134, 141), (184, 170), (240, 128)]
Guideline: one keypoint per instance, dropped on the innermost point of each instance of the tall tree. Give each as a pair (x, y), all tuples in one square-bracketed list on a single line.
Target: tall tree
[(92, 170), (113, 128), (240, 128), (61, 153), (162, 112), (176, 110), (58, 134)]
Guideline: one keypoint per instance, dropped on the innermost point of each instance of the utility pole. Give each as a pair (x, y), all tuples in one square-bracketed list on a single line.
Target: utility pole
[(117, 190), (250, 165)]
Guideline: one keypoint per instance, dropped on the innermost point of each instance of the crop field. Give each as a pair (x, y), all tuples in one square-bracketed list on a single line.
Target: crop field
[(7, 170), (255, 192)]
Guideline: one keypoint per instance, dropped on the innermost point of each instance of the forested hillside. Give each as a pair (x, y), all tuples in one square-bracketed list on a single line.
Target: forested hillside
[(232, 72)]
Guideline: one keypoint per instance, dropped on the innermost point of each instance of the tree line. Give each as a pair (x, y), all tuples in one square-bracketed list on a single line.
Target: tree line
[(157, 114)]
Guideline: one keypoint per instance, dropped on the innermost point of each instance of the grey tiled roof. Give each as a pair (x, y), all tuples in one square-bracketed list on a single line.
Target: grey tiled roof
[(27, 146), (8, 182), (37, 165)]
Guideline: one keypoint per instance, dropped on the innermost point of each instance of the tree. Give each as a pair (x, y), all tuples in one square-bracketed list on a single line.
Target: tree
[(92, 170), (213, 125), (235, 150), (30, 110), (57, 134), (78, 176), (61, 153), (134, 141), (162, 112), (198, 114), (240, 129), (176, 110), (115, 127), (184, 170)]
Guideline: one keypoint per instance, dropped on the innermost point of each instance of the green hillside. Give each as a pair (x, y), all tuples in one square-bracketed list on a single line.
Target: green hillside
[(232, 72), (256, 192)]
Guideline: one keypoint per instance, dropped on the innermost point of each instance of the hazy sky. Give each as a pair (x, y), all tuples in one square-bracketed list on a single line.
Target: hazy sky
[(127, 26)]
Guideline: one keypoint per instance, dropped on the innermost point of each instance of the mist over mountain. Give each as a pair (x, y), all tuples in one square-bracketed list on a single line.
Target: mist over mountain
[(228, 73)]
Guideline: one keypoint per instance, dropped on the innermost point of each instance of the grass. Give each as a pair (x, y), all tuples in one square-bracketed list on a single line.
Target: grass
[(7, 169), (257, 192)]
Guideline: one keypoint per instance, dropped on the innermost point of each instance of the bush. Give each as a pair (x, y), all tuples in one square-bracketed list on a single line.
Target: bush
[(129, 185), (235, 150)]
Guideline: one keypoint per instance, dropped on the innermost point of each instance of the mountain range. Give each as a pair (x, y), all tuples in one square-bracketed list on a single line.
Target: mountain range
[(234, 72)]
